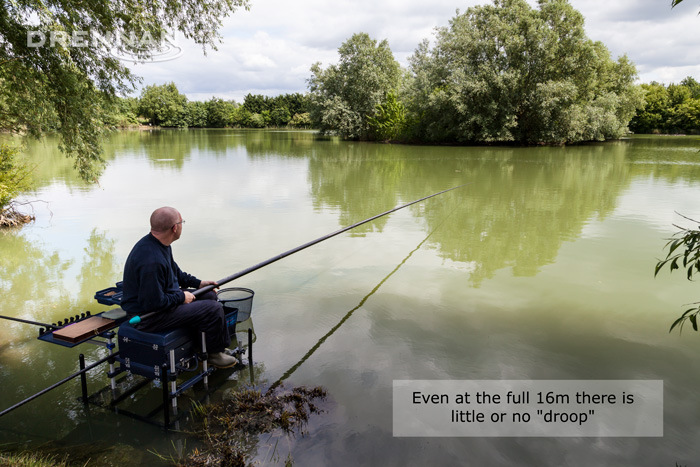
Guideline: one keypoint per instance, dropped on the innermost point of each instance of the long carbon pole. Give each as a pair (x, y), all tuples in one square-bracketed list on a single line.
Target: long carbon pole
[(311, 243), (242, 273), (36, 323)]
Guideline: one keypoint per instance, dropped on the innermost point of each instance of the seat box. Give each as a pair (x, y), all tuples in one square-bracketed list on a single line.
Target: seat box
[(143, 353)]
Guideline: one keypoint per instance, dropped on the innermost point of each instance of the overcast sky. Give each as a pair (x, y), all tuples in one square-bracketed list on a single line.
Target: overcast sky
[(270, 48)]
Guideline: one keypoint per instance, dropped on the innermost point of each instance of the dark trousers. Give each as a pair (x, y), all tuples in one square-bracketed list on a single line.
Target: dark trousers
[(204, 314)]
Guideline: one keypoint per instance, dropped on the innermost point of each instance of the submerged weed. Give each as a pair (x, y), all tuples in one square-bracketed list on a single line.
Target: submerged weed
[(230, 430)]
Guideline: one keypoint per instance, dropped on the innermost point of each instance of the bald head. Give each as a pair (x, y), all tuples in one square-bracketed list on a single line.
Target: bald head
[(163, 219)]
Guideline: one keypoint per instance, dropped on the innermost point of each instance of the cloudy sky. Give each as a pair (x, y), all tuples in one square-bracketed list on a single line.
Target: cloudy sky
[(270, 48)]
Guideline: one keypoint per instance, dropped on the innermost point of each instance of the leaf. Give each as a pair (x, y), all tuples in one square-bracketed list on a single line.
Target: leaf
[(680, 321), (675, 323), (676, 243), (658, 267)]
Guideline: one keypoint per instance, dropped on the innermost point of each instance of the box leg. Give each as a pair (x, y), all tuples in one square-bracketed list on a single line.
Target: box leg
[(205, 364), (173, 376), (164, 385), (112, 380)]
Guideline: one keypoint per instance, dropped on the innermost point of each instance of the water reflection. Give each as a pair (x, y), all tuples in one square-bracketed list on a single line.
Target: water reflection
[(519, 205), (100, 267), (38, 285), (347, 316), (32, 281)]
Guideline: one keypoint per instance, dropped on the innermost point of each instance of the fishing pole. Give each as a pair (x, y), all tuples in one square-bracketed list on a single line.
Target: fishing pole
[(36, 323), (137, 319), (318, 344)]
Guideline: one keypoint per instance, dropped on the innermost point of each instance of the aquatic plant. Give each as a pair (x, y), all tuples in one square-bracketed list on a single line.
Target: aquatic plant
[(230, 429), (30, 459)]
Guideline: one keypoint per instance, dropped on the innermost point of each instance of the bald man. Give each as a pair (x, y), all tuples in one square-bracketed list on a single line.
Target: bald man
[(153, 283)]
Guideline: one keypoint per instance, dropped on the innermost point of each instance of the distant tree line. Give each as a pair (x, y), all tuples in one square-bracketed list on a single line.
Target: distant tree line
[(164, 106), (669, 109), (504, 72)]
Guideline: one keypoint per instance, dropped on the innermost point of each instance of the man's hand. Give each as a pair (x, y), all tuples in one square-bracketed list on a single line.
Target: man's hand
[(206, 283), (189, 297)]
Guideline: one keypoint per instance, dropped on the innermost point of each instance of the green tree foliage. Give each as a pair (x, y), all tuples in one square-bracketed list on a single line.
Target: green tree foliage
[(280, 116), (508, 72), (196, 114), (692, 85), (241, 117), (256, 121), (120, 112), (654, 114), (296, 103), (683, 253), (302, 120), (14, 176), (266, 116), (389, 120), (60, 86), (669, 109), (343, 97), (163, 105), (686, 116), (220, 112), (279, 108), (255, 103)]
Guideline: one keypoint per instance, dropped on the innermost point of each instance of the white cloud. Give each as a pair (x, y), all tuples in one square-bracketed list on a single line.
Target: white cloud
[(269, 49)]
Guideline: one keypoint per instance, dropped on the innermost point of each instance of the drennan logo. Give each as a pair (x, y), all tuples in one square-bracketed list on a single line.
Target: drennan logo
[(125, 47)]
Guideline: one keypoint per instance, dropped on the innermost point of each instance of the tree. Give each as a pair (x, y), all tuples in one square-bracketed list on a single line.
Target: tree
[(196, 114), (300, 121), (296, 103), (14, 178), (220, 112), (692, 85), (255, 103), (241, 117), (653, 116), (678, 94), (669, 109), (257, 121), (280, 116), (164, 105), (686, 116), (120, 112), (508, 72), (59, 83), (389, 120), (343, 97)]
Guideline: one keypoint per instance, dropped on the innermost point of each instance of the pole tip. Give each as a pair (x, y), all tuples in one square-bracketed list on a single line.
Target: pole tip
[(135, 320)]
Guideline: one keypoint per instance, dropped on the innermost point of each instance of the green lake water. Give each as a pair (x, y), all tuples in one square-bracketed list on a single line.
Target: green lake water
[(540, 268)]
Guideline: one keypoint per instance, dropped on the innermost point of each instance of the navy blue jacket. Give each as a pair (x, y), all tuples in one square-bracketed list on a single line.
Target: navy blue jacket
[(152, 279)]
